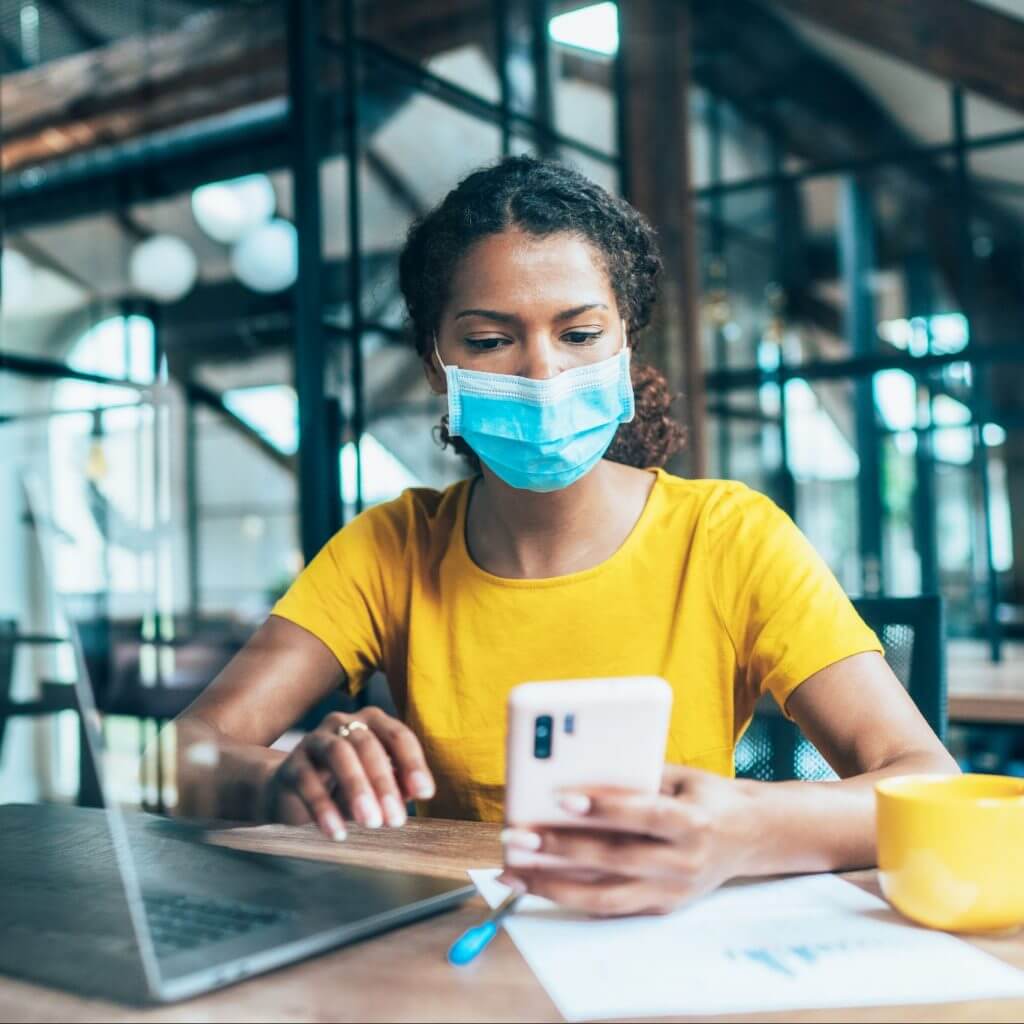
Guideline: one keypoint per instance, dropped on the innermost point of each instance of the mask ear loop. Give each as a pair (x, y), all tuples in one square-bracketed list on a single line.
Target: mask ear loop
[(438, 355), (625, 338), (444, 370)]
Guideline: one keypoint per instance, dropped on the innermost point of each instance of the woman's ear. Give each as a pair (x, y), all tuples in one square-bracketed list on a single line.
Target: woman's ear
[(433, 373)]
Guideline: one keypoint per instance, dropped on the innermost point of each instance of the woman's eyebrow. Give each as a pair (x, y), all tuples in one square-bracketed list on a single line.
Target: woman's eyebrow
[(568, 314), (509, 318), (489, 314)]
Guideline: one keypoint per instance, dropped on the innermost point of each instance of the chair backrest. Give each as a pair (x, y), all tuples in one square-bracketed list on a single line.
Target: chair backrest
[(912, 633)]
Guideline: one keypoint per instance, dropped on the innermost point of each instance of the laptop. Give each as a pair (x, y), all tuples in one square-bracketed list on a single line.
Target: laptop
[(138, 908)]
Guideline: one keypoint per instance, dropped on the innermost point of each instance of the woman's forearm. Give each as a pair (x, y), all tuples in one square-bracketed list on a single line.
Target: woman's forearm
[(218, 777), (823, 826)]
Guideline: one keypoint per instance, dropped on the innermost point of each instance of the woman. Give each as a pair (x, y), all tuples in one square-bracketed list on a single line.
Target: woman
[(568, 554)]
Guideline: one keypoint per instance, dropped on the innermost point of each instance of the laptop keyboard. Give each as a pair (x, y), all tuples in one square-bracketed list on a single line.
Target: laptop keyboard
[(178, 922)]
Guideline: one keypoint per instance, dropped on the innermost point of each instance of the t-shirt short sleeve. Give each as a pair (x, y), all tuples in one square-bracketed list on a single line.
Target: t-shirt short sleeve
[(342, 596), (784, 610)]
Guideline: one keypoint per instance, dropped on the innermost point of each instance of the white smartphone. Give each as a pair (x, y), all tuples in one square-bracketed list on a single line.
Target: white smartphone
[(582, 732)]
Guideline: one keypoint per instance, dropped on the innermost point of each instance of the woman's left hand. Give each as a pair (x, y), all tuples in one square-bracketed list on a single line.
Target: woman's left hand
[(638, 853)]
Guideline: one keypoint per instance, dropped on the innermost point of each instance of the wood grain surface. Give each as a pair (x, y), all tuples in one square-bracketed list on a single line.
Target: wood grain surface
[(403, 975), (984, 691)]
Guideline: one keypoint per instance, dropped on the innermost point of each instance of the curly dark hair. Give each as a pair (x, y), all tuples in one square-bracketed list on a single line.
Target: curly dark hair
[(543, 197)]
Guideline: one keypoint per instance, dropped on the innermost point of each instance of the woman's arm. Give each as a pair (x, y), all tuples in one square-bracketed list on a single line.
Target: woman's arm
[(225, 766), (702, 829), (863, 721), (278, 675)]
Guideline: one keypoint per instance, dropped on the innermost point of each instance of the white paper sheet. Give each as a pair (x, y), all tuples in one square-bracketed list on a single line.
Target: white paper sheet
[(809, 941)]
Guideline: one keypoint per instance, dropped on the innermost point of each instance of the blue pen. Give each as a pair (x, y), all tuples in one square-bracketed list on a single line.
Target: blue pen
[(474, 940)]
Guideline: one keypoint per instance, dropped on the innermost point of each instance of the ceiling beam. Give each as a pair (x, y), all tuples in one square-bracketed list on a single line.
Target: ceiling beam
[(77, 25), (214, 401), (956, 40)]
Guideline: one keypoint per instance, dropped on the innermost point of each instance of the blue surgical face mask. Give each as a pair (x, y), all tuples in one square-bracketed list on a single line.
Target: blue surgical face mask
[(540, 435)]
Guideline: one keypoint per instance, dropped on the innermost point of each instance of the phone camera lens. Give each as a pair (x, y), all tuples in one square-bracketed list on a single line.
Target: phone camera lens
[(542, 728)]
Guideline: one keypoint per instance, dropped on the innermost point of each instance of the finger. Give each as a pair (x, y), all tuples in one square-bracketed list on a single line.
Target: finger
[(619, 853), (405, 751), (380, 772), (664, 817), (353, 787), (300, 776), (289, 808), (677, 779), (602, 897)]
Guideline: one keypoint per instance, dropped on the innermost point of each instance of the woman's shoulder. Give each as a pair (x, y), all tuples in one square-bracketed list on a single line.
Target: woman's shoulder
[(715, 499), (418, 513), (729, 515)]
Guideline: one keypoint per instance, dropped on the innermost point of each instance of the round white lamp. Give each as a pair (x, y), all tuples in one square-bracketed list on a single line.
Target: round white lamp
[(163, 267), (266, 258), (226, 210)]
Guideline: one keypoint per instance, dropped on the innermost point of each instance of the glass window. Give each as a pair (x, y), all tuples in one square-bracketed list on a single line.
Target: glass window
[(915, 102), (456, 45), (247, 524), (584, 43), (987, 117)]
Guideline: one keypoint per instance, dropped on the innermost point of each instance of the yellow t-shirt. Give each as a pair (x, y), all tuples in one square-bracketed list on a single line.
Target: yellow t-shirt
[(715, 590)]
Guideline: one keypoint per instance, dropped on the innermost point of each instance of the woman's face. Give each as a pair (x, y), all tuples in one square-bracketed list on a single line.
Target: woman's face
[(527, 305)]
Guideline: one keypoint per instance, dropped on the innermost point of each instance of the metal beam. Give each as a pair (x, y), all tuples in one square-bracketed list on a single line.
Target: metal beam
[(353, 146), (967, 281), (501, 61), (655, 39), (406, 71), (87, 35), (843, 369), (315, 455), (174, 161), (543, 83), (200, 394), (791, 276), (856, 257), (960, 41), (49, 369), (920, 303)]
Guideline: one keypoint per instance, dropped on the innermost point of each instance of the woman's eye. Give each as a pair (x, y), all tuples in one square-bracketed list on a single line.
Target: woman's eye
[(582, 337), (484, 344)]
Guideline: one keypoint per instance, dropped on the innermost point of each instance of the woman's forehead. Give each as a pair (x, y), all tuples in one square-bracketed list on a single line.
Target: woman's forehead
[(515, 266)]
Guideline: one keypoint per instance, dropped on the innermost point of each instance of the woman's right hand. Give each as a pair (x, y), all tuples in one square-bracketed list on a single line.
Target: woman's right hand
[(364, 773)]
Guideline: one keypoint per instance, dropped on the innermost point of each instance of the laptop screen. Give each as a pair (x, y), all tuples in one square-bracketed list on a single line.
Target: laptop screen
[(96, 851), (160, 907), (170, 896)]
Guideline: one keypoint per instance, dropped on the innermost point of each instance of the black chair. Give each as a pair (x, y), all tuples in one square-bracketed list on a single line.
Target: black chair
[(8, 629), (912, 632)]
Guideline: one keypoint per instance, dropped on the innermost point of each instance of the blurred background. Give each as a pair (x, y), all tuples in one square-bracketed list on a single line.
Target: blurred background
[(202, 348)]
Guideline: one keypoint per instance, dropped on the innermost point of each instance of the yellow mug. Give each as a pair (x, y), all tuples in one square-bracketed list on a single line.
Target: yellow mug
[(951, 849)]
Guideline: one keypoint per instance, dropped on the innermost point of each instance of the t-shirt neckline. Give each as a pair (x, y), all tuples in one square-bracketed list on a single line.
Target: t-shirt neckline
[(633, 538)]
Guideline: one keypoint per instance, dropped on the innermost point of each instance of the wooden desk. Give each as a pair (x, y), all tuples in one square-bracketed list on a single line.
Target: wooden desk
[(980, 691), (402, 975)]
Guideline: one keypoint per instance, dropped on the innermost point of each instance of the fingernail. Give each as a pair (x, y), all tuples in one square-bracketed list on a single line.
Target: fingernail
[(575, 803), (368, 811), (421, 785), (520, 838), (335, 826), (394, 812), (512, 882)]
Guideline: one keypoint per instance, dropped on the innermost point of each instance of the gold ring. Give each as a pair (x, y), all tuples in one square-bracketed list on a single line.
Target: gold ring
[(345, 730)]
